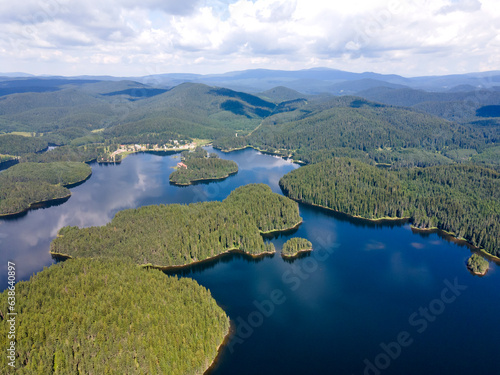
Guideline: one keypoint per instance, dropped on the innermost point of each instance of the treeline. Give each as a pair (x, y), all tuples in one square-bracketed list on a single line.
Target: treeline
[(17, 145), (26, 183), (201, 166), (462, 199), (174, 234), (294, 246), (85, 316), (365, 130), (83, 154), (477, 264)]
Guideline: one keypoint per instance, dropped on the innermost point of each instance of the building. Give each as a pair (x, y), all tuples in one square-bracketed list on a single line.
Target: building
[(182, 165)]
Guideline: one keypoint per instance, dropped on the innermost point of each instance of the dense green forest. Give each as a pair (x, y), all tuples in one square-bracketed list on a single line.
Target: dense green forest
[(477, 264), (307, 128), (85, 154), (11, 144), (353, 127), (129, 112), (202, 166), (174, 234), (87, 316), (463, 199), (294, 246), (26, 183)]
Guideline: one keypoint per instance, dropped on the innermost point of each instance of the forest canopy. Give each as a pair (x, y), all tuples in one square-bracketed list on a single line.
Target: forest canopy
[(477, 264), (26, 183), (202, 166), (12, 144), (462, 199), (175, 234), (294, 246), (97, 316)]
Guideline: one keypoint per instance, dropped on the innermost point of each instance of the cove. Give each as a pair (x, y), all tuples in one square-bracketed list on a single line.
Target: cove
[(335, 310)]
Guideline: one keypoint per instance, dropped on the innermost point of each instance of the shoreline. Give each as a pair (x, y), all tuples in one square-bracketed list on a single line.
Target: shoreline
[(296, 254), (175, 267), (387, 218), (33, 205), (56, 200), (224, 342), (454, 238), (281, 230), (413, 228), (276, 153), (478, 273), (193, 182), (179, 267)]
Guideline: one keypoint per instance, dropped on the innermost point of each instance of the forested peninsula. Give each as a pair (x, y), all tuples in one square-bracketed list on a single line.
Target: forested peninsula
[(198, 165), (176, 235), (461, 199), (295, 246), (27, 183), (94, 316)]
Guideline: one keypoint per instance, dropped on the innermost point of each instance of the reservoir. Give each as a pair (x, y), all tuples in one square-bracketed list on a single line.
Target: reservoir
[(372, 298)]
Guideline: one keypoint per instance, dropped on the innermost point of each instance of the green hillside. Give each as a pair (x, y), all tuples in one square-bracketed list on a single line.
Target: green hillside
[(88, 316), (17, 145), (174, 234), (27, 183), (462, 199), (202, 166), (355, 127)]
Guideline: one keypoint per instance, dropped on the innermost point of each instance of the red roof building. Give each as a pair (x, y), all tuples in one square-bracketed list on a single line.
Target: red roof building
[(182, 165)]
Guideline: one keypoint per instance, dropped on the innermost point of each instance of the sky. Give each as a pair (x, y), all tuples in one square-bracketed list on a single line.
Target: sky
[(140, 38)]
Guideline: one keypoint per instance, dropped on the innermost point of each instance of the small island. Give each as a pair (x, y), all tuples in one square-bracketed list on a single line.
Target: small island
[(177, 235), (477, 265), (295, 246), (25, 184), (108, 316), (198, 165)]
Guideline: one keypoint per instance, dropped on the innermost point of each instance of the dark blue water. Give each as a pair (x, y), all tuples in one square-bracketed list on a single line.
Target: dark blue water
[(370, 298)]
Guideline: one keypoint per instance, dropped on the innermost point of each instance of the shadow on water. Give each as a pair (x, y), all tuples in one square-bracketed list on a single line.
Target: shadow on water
[(206, 181), (159, 153), (70, 186), (359, 222), (452, 239), (279, 234), (211, 263), (302, 255), (34, 207)]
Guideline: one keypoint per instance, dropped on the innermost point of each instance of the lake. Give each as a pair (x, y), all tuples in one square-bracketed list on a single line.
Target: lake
[(370, 299)]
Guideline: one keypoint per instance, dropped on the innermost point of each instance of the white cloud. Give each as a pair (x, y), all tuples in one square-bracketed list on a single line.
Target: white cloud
[(125, 37)]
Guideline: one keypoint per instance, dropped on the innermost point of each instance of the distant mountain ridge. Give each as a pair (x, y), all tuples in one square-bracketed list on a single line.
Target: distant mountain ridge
[(307, 81)]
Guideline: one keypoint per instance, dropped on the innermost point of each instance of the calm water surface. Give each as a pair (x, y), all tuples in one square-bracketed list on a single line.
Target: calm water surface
[(339, 310)]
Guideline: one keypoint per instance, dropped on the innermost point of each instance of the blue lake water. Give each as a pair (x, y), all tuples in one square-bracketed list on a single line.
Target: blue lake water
[(370, 299)]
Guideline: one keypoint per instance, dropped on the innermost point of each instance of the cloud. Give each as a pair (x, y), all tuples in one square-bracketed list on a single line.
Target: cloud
[(374, 245), (417, 245), (462, 6), (125, 37)]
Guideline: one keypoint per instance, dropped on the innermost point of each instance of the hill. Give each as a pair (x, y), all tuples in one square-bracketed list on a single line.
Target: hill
[(462, 199), (280, 94), (174, 235), (192, 111), (355, 127), (111, 317), (24, 184), (131, 112), (452, 105)]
